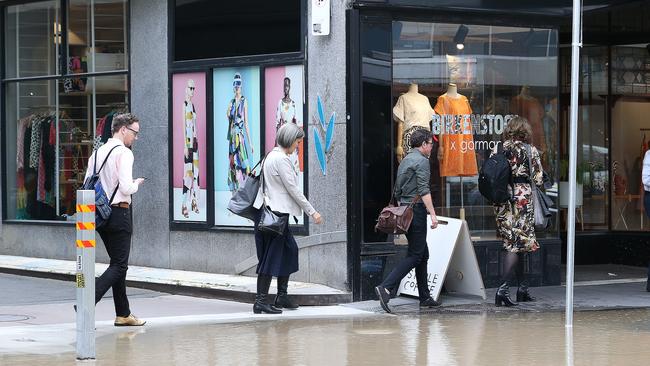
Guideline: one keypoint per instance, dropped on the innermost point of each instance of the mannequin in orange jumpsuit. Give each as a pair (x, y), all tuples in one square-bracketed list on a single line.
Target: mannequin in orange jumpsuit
[(453, 161)]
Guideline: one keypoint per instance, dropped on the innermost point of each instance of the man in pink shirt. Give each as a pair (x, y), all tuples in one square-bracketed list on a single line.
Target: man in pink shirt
[(117, 179)]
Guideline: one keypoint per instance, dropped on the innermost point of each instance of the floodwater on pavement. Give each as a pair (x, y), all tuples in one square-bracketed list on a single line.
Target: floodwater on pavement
[(619, 337)]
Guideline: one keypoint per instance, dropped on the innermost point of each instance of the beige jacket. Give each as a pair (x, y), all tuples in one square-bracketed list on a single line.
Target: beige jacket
[(282, 193)]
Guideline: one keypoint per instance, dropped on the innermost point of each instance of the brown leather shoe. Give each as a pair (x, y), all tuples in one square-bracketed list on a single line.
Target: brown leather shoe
[(129, 321)]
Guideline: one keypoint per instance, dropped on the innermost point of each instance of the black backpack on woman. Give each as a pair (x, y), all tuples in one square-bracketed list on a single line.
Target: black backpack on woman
[(495, 178)]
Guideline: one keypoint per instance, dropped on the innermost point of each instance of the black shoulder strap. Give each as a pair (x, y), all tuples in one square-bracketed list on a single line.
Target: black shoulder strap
[(258, 163), (95, 171), (114, 193)]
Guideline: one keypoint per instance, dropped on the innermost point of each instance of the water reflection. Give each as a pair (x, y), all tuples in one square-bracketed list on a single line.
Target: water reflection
[(568, 347), (598, 338)]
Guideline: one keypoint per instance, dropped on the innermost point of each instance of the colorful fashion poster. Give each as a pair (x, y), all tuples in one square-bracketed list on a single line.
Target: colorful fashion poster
[(237, 145), (284, 103), (189, 147)]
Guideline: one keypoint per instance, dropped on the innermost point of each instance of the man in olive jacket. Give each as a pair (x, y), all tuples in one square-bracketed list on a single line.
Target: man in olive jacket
[(412, 181)]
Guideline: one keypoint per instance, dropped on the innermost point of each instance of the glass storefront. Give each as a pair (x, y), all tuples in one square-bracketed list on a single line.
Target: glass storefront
[(464, 82), (630, 134), (63, 81)]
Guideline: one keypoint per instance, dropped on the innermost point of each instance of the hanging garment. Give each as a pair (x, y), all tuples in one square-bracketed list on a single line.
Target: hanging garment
[(20, 141), (457, 157), (48, 148), (35, 143), (107, 131), (531, 109), (97, 140)]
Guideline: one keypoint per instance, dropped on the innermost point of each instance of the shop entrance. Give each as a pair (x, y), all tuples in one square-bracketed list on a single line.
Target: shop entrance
[(520, 66)]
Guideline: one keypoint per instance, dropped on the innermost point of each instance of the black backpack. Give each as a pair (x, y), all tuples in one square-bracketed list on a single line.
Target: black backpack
[(495, 177), (102, 203)]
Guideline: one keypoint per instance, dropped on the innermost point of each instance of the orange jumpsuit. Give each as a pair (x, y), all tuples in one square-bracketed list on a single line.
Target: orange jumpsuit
[(456, 162)]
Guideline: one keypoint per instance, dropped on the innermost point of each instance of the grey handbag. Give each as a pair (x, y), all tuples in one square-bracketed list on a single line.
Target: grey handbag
[(541, 202), (242, 201), (270, 221)]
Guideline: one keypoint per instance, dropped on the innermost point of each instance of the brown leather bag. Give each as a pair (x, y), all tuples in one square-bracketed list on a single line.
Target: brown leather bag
[(396, 219)]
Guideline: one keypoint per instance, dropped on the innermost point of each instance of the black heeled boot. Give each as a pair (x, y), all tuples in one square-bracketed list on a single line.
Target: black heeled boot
[(502, 297), (522, 293), (261, 306), (282, 298)]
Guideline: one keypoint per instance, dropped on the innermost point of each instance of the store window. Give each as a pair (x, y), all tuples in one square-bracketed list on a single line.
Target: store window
[(231, 28), (53, 123), (479, 77), (630, 134), (376, 124), (593, 167)]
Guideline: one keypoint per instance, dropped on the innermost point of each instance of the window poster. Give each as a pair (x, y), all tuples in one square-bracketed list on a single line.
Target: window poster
[(284, 103), (237, 143), (189, 147)]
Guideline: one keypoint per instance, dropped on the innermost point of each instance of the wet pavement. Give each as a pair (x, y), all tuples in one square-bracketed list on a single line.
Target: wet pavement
[(612, 327), (619, 337)]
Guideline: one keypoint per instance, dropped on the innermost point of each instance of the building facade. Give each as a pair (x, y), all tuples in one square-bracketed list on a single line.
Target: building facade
[(212, 82)]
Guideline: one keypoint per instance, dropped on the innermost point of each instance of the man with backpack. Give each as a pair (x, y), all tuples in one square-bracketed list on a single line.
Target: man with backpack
[(412, 183), (115, 170)]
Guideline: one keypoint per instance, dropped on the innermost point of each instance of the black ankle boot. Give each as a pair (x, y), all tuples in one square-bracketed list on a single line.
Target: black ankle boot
[(282, 299), (502, 297), (261, 306), (522, 293)]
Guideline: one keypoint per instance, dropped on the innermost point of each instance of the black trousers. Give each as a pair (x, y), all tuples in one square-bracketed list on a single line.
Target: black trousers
[(116, 235), (417, 255)]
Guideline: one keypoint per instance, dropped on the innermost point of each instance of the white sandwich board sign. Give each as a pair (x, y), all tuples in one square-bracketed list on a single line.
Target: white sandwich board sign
[(452, 262)]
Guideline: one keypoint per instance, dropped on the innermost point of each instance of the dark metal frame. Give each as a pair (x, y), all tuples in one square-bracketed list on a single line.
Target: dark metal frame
[(61, 74), (208, 66)]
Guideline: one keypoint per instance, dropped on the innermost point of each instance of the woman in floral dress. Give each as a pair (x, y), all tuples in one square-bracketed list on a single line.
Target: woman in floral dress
[(515, 220)]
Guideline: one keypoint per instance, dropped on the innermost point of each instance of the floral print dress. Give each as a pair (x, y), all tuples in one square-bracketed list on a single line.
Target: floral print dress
[(516, 220)]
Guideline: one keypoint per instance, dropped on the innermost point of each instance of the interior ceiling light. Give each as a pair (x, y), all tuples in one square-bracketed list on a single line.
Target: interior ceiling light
[(459, 38)]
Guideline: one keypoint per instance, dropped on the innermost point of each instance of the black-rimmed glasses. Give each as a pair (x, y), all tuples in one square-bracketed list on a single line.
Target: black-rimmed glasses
[(135, 133)]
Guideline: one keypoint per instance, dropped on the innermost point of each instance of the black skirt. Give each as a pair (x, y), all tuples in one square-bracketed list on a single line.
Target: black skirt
[(277, 255)]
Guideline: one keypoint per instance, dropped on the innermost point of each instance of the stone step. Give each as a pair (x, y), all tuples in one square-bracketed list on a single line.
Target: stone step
[(211, 285)]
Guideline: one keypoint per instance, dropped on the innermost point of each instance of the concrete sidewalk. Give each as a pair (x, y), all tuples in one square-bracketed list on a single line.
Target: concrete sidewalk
[(604, 295), (37, 317), (623, 289), (229, 287)]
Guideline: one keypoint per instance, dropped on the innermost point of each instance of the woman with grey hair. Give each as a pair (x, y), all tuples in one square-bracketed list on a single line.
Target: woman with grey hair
[(278, 254)]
